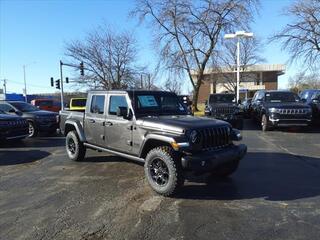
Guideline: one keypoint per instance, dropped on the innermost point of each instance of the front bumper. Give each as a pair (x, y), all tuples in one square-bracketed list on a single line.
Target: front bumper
[(209, 160), (289, 122)]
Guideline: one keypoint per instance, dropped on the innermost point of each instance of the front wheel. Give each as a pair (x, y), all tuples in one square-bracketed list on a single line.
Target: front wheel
[(75, 148), (163, 171)]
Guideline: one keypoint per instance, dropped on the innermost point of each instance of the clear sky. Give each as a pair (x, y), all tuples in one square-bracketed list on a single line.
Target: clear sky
[(33, 33)]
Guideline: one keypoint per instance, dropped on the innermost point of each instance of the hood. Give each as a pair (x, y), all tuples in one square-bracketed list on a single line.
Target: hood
[(178, 123), (292, 105)]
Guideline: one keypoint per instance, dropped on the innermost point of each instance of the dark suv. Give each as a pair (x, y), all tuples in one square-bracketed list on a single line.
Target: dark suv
[(224, 107), (280, 109), (38, 120), (312, 98), (12, 127)]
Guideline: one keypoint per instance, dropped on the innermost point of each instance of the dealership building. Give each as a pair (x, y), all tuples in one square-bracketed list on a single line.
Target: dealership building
[(253, 78)]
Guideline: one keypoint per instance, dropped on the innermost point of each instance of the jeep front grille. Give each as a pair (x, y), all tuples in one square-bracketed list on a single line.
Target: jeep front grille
[(223, 110), (212, 138), (292, 111)]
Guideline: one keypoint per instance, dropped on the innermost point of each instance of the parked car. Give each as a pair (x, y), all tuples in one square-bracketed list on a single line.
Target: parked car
[(78, 104), (47, 104), (312, 98), (224, 107), (38, 120), (280, 109), (245, 106), (12, 127), (152, 127)]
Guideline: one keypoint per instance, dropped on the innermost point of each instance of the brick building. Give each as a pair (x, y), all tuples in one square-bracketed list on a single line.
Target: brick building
[(256, 77)]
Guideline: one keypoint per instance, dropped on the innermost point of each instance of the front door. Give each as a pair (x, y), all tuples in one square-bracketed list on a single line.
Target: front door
[(95, 121), (118, 129)]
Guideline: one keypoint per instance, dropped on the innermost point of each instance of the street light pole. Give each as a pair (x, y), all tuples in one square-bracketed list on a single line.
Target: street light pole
[(238, 69), (238, 35)]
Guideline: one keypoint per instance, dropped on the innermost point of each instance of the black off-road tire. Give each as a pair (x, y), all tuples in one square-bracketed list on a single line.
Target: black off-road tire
[(265, 125), (169, 160), (74, 147), (225, 170)]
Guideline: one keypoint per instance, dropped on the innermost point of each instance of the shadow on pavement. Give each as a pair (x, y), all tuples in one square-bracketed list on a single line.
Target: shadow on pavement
[(273, 176), (21, 157)]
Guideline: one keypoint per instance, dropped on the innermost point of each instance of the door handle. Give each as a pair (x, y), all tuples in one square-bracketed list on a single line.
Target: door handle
[(92, 121), (109, 123)]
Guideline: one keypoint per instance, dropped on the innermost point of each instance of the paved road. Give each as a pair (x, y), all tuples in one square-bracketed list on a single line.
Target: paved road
[(275, 194)]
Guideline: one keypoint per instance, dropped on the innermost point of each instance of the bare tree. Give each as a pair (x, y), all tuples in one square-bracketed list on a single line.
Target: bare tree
[(187, 32), (303, 80), (227, 61), (172, 85), (109, 58), (301, 37)]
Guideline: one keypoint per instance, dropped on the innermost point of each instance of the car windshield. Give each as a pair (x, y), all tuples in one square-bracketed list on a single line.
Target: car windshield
[(221, 98), (79, 102), (158, 104), (281, 97), (24, 107)]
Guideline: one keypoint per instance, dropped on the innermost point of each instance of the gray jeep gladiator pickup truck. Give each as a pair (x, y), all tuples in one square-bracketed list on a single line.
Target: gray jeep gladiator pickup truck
[(152, 127)]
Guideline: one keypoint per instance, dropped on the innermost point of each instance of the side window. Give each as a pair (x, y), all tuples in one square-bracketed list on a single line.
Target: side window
[(255, 97), (115, 102), (97, 104), (5, 107)]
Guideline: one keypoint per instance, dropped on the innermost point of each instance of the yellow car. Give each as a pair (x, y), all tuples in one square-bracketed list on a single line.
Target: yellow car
[(78, 104)]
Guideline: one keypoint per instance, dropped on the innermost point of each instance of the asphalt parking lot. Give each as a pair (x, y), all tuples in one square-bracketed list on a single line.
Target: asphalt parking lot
[(275, 194)]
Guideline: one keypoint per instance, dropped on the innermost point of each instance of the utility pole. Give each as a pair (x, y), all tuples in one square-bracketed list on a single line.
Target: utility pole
[(25, 83), (149, 81)]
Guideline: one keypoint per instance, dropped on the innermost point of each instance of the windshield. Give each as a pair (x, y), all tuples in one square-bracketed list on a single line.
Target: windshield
[(221, 98), (79, 102), (24, 107), (281, 97), (158, 104)]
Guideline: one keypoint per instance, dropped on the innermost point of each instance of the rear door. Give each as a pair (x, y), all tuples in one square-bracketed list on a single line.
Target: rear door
[(94, 122), (118, 129)]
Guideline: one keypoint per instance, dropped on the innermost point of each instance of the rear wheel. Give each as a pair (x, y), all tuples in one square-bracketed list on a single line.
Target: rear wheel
[(75, 148), (163, 171)]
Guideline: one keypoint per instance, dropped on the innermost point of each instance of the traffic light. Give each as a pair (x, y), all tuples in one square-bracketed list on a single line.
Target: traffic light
[(52, 81), (67, 80), (81, 69), (58, 84)]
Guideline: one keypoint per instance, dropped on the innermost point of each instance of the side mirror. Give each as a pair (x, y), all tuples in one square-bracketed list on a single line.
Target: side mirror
[(124, 112), (315, 100), (206, 103)]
